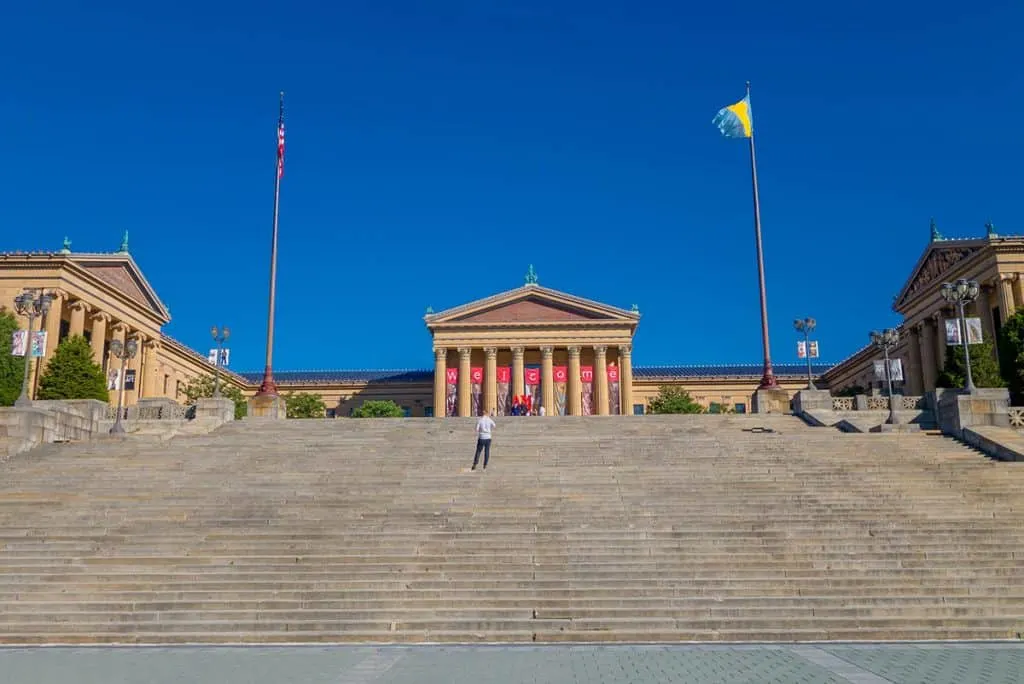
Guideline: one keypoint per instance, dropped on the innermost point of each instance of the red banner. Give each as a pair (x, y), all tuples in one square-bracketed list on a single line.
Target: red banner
[(587, 373), (613, 373), (452, 374), (561, 373), (532, 376), (476, 375), (504, 374)]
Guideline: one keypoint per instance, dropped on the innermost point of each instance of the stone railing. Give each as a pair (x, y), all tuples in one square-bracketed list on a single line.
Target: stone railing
[(161, 411), (878, 403), (874, 403), (1016, 414), (843, 404)]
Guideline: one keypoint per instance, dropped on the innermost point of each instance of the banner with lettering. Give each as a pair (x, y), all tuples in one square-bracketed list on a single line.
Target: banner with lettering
[(504, 378), (587, 389), (561, 376), (451, 396), (531, 375), (476, 391), (613, 390)]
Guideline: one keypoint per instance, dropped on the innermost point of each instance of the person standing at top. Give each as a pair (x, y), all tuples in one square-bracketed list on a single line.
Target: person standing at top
[(484, 426)]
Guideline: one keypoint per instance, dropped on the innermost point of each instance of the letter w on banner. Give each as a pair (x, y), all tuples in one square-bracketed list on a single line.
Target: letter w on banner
[(476, 379), (561, 377), (504, 377), (451, 393)]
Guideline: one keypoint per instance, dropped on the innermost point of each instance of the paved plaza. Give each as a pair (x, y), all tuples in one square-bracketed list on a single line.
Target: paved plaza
[(917, 663)]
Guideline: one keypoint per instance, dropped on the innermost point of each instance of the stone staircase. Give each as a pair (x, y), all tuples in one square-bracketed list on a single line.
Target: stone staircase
[(661, 528)]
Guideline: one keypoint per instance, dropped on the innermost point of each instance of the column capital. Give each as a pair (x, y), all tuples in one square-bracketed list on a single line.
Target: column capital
[(574, 350), (101, 316), (491, 352), (139, 336), (58, 293), (152, 345), (1008, 277), (625, 349), (464, 352), (440, 354), (518, 351), (547, 352), (119, 327), (79, 305), (601, 348)]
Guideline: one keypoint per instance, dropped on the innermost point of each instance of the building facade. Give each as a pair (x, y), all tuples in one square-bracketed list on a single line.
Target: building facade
[(995, 261), (572, 355)]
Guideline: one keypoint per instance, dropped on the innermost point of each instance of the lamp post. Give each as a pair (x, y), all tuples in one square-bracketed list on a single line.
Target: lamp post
[(886, 340), (807, 326), (123, 351), (31, 303), (220, 336), (962, 292)]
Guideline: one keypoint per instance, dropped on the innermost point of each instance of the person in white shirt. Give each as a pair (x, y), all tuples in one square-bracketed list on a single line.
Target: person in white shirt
[(483, 440), (542, 411)]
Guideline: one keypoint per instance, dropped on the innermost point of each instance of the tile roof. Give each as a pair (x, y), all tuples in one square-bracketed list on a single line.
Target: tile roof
[(752, 371)]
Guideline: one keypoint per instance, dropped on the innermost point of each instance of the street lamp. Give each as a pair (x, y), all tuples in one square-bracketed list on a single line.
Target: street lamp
[(220, 336), (807, 326), (31, 303), (960, 293), (123, 351), (886, 340)]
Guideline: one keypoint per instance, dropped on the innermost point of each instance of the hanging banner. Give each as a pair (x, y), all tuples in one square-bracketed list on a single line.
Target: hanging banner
[(476, 391), (531, 376), (973, 331), (895, 368), (587, 389), (613, 390), (18, 338), (801, 349), (812, 349), (561, 376), (451, 396), (504, 378)]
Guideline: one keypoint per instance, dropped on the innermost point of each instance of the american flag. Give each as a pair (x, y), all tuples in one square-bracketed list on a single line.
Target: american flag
[(280, 146)]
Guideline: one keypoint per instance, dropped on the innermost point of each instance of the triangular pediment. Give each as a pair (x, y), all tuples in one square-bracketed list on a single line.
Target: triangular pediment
[(531, 304), (935, 266), (122, 274)]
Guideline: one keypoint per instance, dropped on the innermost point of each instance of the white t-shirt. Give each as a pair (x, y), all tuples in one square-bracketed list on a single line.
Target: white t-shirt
[(484, 427)]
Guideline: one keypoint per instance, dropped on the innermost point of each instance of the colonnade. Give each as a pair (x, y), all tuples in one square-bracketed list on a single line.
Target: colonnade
[(574, 392)]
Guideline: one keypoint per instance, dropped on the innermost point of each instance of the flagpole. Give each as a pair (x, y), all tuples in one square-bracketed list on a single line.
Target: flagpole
[(268, 387), (768, 380)]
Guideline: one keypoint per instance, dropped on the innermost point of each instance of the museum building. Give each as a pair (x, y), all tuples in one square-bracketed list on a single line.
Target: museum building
[(572, 355)]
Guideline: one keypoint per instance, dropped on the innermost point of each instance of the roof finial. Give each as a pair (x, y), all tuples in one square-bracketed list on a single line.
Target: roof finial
[(430, 310), (936, 235), (66, 248), (990, 229), (124, 244), (531, 276)]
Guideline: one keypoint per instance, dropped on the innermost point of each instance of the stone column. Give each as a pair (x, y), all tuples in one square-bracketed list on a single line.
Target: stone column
[(939, 339), (926, 342), (152, 386), (575, 391), (517, 372), (913, 372), (1018, 289), (491, 380), (1006, 303), (547, 380), (601, 375), (53, 318), (98, 339), (465, 404), (984, 308), (77, 322), (440, 381), (626, 378)]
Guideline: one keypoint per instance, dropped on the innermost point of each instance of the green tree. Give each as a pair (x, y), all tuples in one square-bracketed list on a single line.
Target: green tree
[(202, 388), (1011, 355), (984, 369), (673, 400), (378, 409), (305, 405), (12, 368), (71, 373)]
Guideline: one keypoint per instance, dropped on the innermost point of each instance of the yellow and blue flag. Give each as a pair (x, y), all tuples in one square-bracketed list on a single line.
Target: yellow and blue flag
[(736, 121)]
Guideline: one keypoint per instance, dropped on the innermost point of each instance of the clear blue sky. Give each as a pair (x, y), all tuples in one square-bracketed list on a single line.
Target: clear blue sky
[(435, 149)]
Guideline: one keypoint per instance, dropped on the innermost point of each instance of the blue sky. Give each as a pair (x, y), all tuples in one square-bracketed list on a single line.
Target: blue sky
[(435, 149)]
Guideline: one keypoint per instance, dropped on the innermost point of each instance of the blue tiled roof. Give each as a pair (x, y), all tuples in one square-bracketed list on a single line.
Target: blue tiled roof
[(751, 370)]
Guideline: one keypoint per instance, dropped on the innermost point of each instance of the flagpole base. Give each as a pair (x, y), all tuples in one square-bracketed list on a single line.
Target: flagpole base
[(267, 406)]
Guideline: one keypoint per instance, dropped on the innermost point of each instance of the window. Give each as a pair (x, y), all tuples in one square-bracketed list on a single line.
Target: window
[(406, 412), (65, 328), (167, 381), (741, 408), (638, 409), (715, 407), (428, 411), (332, 413)]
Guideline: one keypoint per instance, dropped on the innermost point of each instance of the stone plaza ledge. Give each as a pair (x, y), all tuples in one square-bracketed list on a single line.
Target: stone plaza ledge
[(864, 413), (49, 422)]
